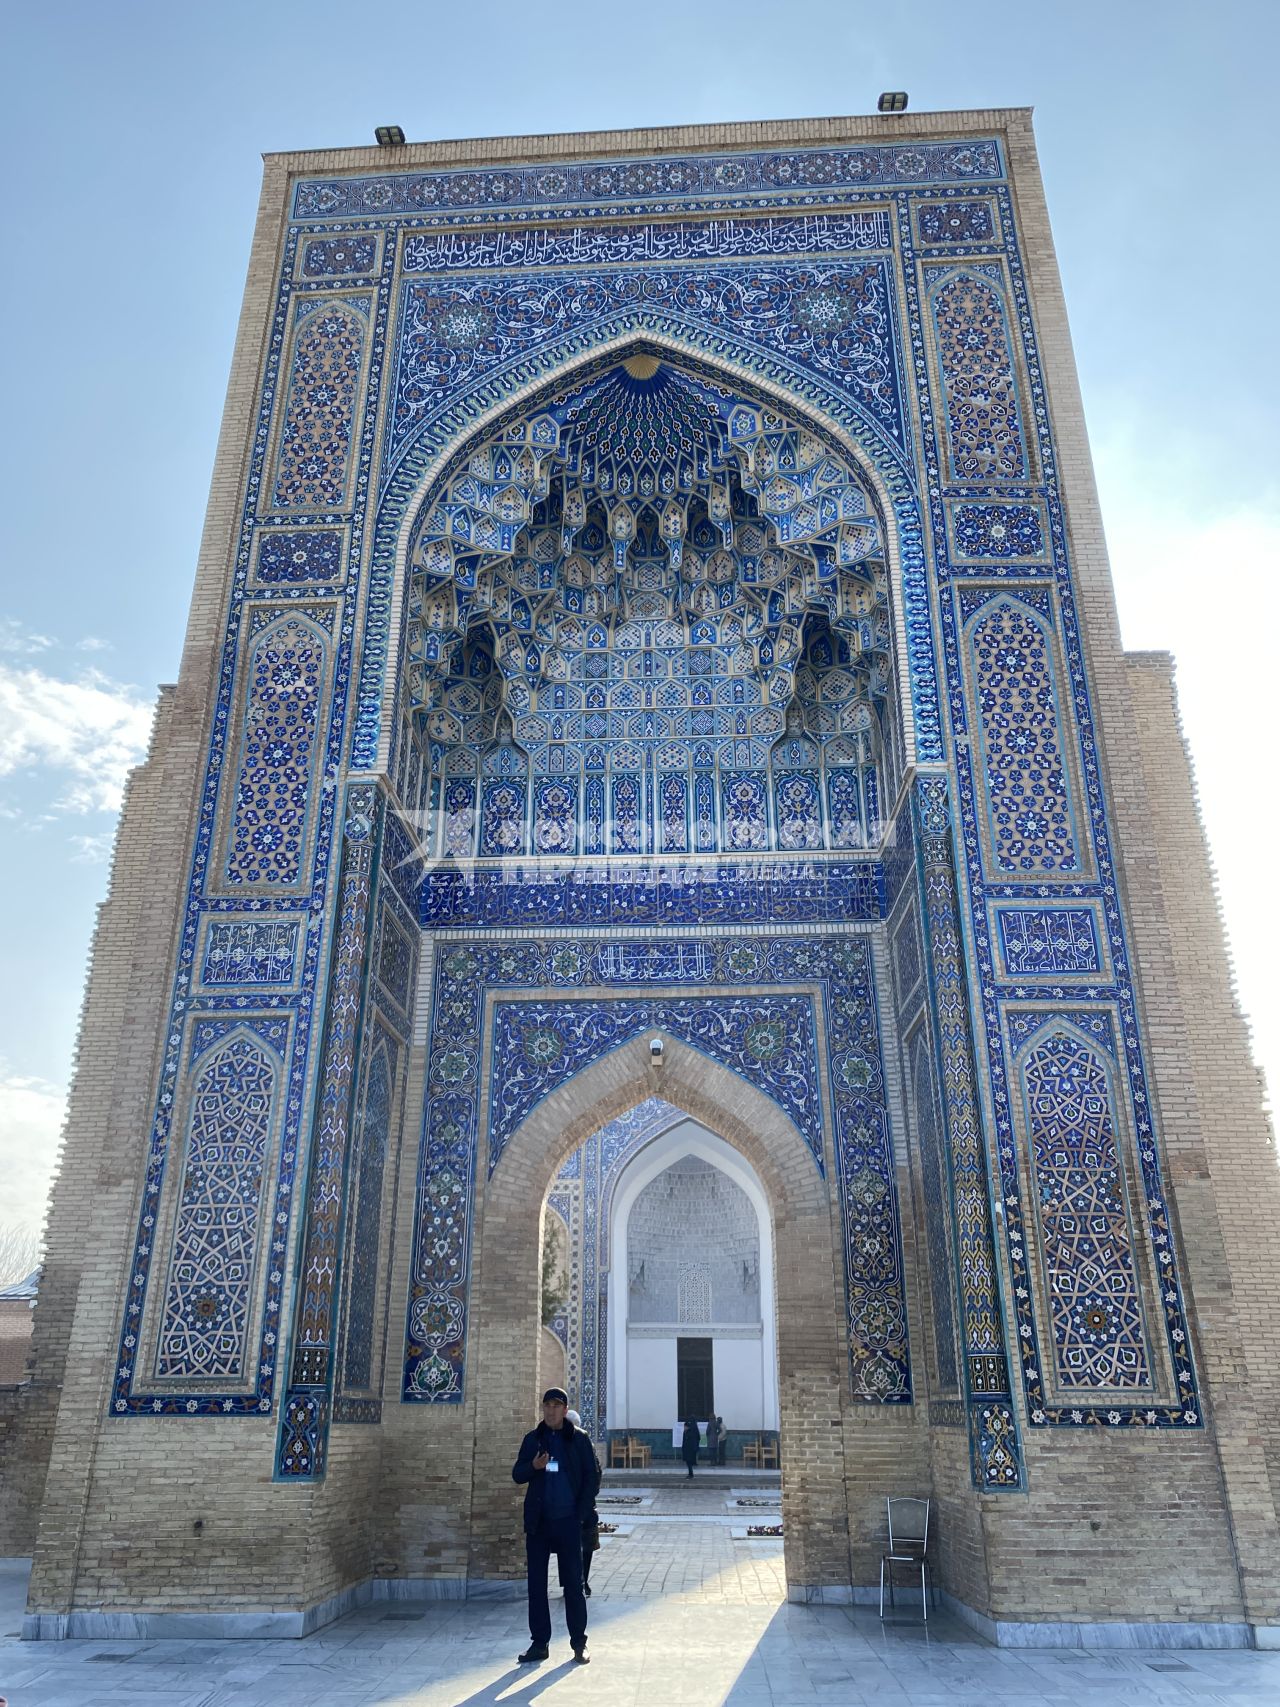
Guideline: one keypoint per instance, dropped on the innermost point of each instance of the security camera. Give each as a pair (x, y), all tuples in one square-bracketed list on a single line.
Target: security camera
[(655, 1051)]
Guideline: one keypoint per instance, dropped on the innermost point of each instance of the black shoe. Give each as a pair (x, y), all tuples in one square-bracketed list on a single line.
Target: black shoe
[(581, 1657), (533, 1655), (586, 1589)]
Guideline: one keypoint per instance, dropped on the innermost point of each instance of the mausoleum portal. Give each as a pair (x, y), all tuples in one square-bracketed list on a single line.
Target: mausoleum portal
[(653, 779)]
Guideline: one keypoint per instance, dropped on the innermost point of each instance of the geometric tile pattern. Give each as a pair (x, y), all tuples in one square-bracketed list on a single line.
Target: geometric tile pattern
[(984, 430), (208, 1302), (939, 1231), (997, 531), (1085, 1245), (212, 1253), (334, 257), (305, 1412), (287, 670), (314, 555), (994, 1444), (315, 440), (1075, 861), (956, 222), (1028, 799), (768, 1038)]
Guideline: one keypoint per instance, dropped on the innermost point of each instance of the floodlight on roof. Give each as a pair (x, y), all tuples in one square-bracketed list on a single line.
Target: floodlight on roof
[(391, 136), (892, 101)]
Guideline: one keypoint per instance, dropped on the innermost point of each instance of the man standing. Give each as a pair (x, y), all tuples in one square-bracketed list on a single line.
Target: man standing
[(557, 1463), (713, 1440)]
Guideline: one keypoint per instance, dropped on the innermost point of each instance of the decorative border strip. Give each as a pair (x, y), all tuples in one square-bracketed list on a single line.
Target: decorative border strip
[(678, 178), (655, 892), (304, 1414), (1093, 818), (996, 1455)]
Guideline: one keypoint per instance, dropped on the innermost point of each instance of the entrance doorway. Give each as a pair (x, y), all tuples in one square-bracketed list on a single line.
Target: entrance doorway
[(695, 1384), (663, 1306), (665, 1312)]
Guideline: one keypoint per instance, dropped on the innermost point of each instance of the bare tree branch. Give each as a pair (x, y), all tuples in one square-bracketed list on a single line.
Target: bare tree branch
[(19, 1251)]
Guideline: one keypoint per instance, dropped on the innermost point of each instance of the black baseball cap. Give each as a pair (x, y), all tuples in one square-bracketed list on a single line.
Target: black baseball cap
[(555, 1393)]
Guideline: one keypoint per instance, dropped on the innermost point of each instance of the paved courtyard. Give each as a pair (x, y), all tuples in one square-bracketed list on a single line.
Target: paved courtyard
[(682, 1616)]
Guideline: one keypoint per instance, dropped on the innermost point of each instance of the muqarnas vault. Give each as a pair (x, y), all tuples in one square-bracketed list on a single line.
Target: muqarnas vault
[(654, 591)]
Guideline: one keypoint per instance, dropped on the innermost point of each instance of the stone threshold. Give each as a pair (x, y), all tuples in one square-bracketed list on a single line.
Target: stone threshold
[(256, 1625)]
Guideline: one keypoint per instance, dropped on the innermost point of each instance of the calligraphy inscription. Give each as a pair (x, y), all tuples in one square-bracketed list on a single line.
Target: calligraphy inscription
[(683, 240)]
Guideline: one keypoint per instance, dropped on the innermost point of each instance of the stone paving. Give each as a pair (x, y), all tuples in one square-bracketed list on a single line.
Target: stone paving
[(676, 1635)]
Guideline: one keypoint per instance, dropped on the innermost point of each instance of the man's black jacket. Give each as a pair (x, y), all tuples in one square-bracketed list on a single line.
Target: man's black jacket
[(578, 1463)]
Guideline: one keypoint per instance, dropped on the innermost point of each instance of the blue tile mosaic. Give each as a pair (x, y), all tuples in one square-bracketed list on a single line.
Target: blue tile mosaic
[(769, 1040), (251, 951), (287, 555), (656, 892), (796, 296), (539, 1044), (558, 183), (1048, 941)]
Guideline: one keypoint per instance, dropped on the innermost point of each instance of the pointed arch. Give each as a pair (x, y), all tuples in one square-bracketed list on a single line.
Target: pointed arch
[(685, 1137), (1090, 1288), (478, 419), (230, 1117), (810, 1313)]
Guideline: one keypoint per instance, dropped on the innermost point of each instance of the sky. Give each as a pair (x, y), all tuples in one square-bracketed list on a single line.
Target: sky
[(133, 133)]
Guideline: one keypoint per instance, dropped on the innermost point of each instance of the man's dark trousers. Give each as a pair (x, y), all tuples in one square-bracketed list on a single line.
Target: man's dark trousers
[(564, 1539)]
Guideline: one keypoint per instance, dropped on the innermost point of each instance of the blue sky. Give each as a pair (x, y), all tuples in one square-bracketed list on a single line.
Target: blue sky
[(135, 131)]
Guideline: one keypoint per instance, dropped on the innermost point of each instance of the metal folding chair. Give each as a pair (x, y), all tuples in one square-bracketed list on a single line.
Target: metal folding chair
[(908, 1544)]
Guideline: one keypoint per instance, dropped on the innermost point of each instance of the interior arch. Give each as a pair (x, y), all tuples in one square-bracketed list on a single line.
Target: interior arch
[(686, 1138), (810, 1351)]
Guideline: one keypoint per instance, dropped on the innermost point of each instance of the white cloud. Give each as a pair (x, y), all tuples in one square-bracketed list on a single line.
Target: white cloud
[(15, 638), (88, 732), (92, 850), (93, 643), (1202, 580), (31, 1112)]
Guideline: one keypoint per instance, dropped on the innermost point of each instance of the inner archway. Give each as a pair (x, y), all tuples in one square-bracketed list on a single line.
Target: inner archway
[(668, 1240), (691, 1329), (810, 1330)]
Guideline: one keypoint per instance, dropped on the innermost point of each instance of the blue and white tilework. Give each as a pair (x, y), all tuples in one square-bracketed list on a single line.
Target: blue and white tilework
[(540, 1043), (727, 490)]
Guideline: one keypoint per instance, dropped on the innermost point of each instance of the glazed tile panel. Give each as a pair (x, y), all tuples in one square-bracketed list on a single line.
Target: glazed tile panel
[(873, 300), (538, 1044)]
